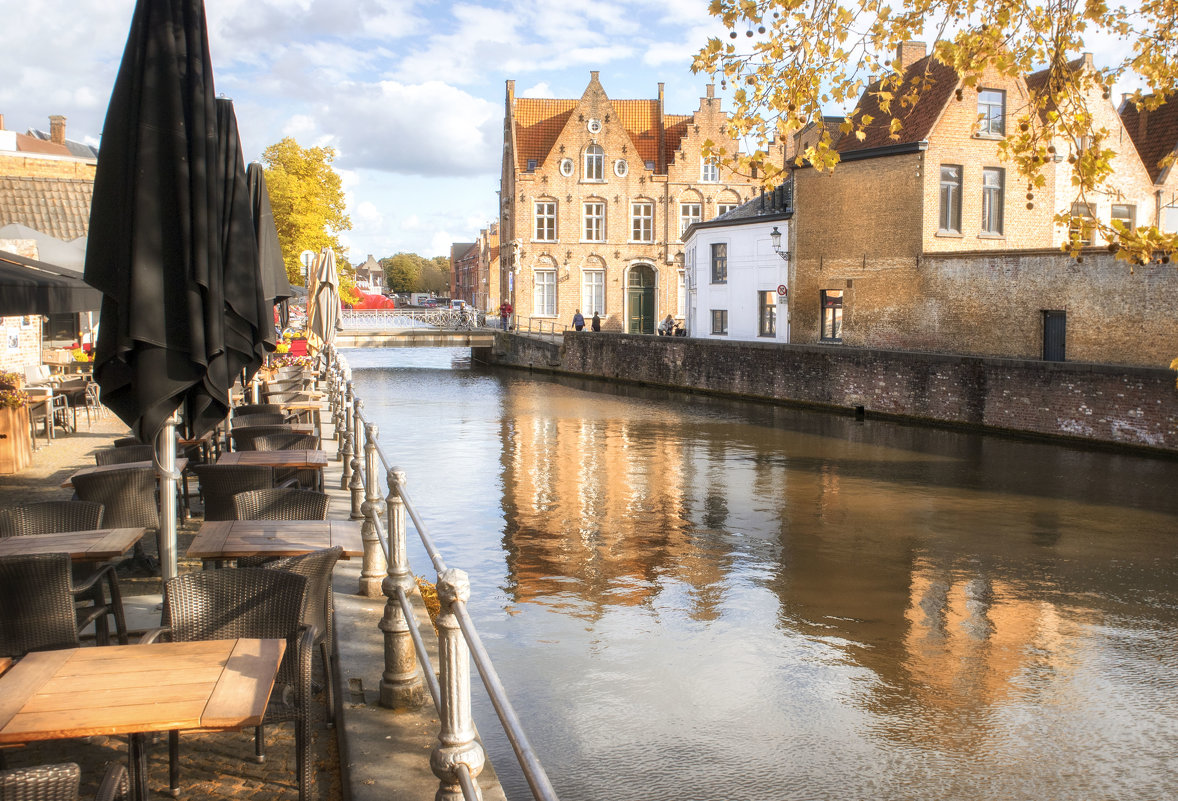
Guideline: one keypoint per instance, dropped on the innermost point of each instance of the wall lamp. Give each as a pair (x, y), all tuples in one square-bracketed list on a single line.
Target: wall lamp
[(775, 236)]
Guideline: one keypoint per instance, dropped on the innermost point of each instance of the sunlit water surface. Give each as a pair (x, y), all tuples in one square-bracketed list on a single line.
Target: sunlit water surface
[(692, 599)]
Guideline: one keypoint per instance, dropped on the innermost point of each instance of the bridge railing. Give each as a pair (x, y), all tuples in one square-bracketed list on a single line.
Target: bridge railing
[(541, 326), (458, 758), (385, 319)]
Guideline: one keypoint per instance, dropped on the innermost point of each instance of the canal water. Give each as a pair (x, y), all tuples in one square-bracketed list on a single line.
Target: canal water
[(693, 599)]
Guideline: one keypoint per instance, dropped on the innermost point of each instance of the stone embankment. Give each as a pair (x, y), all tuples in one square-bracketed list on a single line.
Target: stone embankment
[(1102, 405)]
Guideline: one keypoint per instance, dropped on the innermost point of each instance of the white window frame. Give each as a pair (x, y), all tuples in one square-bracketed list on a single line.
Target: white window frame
[(548, 216), (544, 292), (1129, 218), (685, 219), (681, 302), (593, 292), (993, 201), (594, 164), (724, 208), (593, 217), (642, 221), (990, 124), (709, 170)]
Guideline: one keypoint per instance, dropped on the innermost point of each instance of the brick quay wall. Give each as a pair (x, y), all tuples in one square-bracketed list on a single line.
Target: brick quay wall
[(1130, 407)]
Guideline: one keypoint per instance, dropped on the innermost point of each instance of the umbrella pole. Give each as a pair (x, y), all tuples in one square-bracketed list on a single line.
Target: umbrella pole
[(165, 466)]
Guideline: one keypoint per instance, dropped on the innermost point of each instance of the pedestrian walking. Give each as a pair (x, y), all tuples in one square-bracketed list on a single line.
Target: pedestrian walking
[(504, 314), (578, 320), (595, 323)]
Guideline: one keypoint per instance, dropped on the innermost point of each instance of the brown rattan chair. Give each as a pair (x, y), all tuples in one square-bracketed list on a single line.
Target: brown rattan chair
[(37, 609), (258, 419), (123, 442), (281, 504), (124, 455), (60, 782), (318, 609), (129, 498), (220, 482), (250, 409), (249, 602), (243, 436), (286, 441), (50, 517)]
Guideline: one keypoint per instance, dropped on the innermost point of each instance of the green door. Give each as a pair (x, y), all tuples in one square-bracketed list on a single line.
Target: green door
[(640, 299)]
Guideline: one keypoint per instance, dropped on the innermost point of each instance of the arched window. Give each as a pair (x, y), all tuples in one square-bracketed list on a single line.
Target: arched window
[(594, 163)]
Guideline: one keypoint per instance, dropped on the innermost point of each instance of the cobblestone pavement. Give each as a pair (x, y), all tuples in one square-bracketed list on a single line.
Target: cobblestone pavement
[(216, 765)]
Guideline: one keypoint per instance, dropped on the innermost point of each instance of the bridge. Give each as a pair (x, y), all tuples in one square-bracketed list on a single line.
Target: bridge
[(413, 328)]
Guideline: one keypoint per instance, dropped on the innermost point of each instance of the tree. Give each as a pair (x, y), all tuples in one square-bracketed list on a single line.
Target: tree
[(806, 55), (403, 272), (436, 275), (308, 201)]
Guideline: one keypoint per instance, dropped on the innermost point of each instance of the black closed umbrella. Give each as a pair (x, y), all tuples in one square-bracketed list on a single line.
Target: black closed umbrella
[(154, 248), (275, 284)]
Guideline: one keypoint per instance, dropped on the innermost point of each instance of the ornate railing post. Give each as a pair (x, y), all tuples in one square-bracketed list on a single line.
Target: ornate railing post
[(356, 484), (401, 685), (456, 738), (375, 566), (347, 444)]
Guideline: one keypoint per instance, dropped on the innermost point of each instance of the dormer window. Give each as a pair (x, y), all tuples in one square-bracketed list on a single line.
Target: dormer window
[(531, 165), (594, 163), (991, 112)]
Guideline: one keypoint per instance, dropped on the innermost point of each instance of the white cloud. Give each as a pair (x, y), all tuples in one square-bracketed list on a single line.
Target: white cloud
[(541, 89)]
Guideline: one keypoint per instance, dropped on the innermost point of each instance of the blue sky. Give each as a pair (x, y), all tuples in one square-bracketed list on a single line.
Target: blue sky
[(409, 92)]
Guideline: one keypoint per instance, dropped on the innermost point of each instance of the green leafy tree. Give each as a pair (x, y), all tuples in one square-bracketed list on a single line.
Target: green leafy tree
[(308, 200), (788, 60), (436, 275), (403, 272)]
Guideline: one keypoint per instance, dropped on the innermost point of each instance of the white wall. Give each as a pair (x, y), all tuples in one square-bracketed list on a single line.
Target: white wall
[(753, 266)]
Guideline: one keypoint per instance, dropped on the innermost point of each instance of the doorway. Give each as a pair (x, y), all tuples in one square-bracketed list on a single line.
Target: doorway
[(640, 299), (1055, 325)]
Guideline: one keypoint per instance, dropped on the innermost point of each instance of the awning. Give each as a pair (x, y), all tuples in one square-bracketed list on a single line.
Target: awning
[(28, 286)]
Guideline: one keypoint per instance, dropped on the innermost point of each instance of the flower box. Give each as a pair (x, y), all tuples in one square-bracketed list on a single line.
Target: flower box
[(16, 445)]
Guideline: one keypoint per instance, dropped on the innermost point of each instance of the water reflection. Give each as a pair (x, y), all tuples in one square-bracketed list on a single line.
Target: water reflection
[(709, 600)]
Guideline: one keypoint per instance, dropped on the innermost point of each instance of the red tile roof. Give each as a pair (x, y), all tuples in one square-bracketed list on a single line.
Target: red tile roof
[(676, 129), (31, 144), (59, 207), (640, 118), (1159, 137), (538, 122), (918, 119)]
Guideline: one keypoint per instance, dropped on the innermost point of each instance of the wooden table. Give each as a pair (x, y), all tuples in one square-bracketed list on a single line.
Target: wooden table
[(229, 539), (299, 459), (134, 689), (181, 463), (95, 545)]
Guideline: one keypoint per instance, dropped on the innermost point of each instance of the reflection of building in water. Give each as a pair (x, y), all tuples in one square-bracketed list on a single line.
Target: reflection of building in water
[(595, 509)]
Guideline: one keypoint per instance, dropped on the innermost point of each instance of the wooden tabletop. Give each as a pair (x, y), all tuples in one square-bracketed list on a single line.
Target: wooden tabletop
[(181, 463), (228, 539), (95, 545), (124, 689), (294, 428), (305, 458), (306, 405)]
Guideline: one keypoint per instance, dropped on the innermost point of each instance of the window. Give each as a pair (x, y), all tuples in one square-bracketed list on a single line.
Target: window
[(689, 213), (950, 222), (1126, 214), (1083, 222), (595, 221), (709, 170), (642, 221), (593, 292), (767, 314), (544, 298), (546, 220), (621, 168), (1170, 220), (832, 315), (719, 262), (531, 165), (681, 305), (724, 208), (719, 321), (992, 200), (566, 167), (594, 163), (991, 112)]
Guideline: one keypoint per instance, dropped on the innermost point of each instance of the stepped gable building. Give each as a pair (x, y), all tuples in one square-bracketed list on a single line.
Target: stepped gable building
[(1155, 135), (595, 196)]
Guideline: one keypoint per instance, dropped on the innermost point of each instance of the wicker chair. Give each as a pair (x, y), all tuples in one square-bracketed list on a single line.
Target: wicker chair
[(123, 455), (248, 602), (50, 517), (37, 597), (286, 441), (123, 442), (60, 783), (220, 482), (318, 609), (249, 409), (281, 504), (258, 419), (129, 497), (243, 436)]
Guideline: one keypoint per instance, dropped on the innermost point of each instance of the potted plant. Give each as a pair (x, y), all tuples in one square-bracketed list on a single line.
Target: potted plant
[(16, 444)]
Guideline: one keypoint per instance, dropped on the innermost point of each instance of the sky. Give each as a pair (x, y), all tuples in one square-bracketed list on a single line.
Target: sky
[(410, 93)]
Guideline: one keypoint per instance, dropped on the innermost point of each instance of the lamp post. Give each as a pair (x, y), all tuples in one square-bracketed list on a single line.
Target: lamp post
[(775, 237)]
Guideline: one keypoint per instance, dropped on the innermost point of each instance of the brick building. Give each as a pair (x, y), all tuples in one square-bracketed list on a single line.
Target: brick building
[(464, 267), (926, 240), (595, 195)]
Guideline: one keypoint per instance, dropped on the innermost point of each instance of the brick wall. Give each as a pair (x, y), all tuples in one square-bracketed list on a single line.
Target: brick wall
[(1135, 407), (43, 167), (26, 337)]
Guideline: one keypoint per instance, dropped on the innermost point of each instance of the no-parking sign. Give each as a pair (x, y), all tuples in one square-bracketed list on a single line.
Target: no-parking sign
[(782, 290)]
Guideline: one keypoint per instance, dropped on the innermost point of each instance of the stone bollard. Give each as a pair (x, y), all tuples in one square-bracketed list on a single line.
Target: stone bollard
[(357, 481), (456, 738), (401, 684), (375, 566), (347, 446)]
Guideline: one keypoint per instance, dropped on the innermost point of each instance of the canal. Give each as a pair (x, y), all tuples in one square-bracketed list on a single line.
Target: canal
[(694, 599)]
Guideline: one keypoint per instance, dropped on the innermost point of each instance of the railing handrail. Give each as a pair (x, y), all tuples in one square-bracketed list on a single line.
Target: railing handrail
[(351, 424), (356, 319)]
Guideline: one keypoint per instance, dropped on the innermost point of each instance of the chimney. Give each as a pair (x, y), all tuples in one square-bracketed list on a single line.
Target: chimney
[(907, 54), (57, 129), (593, 75), (1, 122), (711, 90)]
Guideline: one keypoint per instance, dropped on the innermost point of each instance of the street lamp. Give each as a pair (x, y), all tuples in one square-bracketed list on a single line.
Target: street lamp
[(307, 257), (775, 237)]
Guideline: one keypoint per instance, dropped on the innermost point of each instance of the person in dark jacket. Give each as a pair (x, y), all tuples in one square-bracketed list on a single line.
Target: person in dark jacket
[(595, 324)]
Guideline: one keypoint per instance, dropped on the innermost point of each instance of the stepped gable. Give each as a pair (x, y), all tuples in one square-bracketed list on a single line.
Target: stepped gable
[(1154, 134), (676, 129), (918, 118), (538, 123), (59, 207)]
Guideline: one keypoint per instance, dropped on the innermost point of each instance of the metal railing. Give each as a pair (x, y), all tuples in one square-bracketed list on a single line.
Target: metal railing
[(458, 758), (386, 319), (540, 326)]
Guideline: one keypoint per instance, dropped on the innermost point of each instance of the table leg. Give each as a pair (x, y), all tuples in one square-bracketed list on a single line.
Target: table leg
[(137, 766)]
